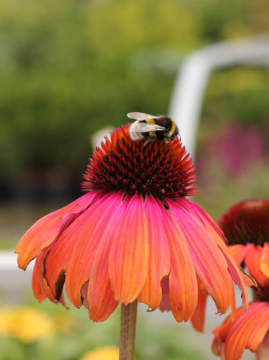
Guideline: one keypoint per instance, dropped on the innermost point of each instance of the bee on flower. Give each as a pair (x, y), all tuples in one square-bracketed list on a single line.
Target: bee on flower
[(135, 236)]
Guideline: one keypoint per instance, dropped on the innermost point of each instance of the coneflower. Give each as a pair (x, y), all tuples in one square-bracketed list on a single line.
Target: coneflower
[(133, 237), (246, 227)]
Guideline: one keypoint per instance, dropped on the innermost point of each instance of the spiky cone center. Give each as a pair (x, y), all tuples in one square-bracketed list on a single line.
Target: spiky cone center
[(161, 169), (247, 222)]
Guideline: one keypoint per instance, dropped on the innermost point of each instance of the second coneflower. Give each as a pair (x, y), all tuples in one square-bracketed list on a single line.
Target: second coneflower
[(246, 227), (134, 236)]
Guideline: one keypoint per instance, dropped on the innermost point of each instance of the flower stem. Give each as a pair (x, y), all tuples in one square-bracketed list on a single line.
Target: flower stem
[(127, 331)]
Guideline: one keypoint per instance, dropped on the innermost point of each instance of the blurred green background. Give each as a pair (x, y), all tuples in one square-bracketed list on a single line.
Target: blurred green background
[(68, 68)]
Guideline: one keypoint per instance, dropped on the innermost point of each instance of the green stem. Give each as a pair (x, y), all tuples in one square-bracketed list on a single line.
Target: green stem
[(127, 331)]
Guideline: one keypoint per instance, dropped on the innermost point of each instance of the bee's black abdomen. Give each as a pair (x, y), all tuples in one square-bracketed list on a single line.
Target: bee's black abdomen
[(164, 121)]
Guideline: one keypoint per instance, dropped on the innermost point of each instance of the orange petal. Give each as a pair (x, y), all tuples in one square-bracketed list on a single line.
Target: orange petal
[(248, 331), (159, 254), (198, 318), (253, 263), (238, 252), (128, 259), (265, 260), (46, 229), (183, 289)]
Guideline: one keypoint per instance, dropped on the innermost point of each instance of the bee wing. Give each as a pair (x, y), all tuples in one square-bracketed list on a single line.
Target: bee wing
[(144, 128), (140, 116)]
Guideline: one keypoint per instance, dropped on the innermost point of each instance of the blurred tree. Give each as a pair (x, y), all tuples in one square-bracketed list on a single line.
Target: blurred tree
[(69, 68)]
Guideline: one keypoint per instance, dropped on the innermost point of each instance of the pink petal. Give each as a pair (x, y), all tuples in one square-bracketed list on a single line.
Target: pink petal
[(46, 229), (165, 302), (86, 235), (216, 233), (208, 259)]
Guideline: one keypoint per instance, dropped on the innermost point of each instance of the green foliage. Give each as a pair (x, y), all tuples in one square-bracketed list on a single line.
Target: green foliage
[(71, 67)]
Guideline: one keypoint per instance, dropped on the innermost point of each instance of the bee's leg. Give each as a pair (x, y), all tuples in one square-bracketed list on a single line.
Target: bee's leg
[(148, 141), (167, 140)]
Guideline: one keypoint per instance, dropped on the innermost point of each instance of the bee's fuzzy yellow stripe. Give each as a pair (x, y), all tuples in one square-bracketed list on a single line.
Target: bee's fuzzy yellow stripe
[(173, 128)]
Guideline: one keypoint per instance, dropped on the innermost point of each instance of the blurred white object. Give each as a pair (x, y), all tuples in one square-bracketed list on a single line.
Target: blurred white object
[(98, 137), (13, 280), (193, 75), (185, 110)]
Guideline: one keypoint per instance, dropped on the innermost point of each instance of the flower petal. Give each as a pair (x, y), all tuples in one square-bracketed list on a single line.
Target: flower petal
[(100, 296), (216, 233), (46, 229), (183, 289), (262, 352), (238, 252), (159, 254), (208, 259), (198, 317), (248, 331), (165, 302), (128, 259), (265, 260), (253, 263), (39, 284), (86, 234)]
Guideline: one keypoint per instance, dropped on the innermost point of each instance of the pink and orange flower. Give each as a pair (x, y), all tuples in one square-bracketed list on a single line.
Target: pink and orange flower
[(133, 236), (246, 227)]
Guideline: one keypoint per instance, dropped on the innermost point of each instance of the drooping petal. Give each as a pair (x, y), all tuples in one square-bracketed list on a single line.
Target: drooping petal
[(159, 254), (248, 331), (198, 317), (216, 233), (128, 259), (39, 284), (46, 229), (165, 302), (183, 289), (86, 234), (100, 296), (201, 214), (209, 262), (236, 274)]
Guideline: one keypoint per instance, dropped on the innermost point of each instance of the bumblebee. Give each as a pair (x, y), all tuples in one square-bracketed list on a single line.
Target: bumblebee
[(152, 127)]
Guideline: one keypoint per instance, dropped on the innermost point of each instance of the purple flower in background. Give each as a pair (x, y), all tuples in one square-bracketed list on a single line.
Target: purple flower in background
[(237, 148)]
